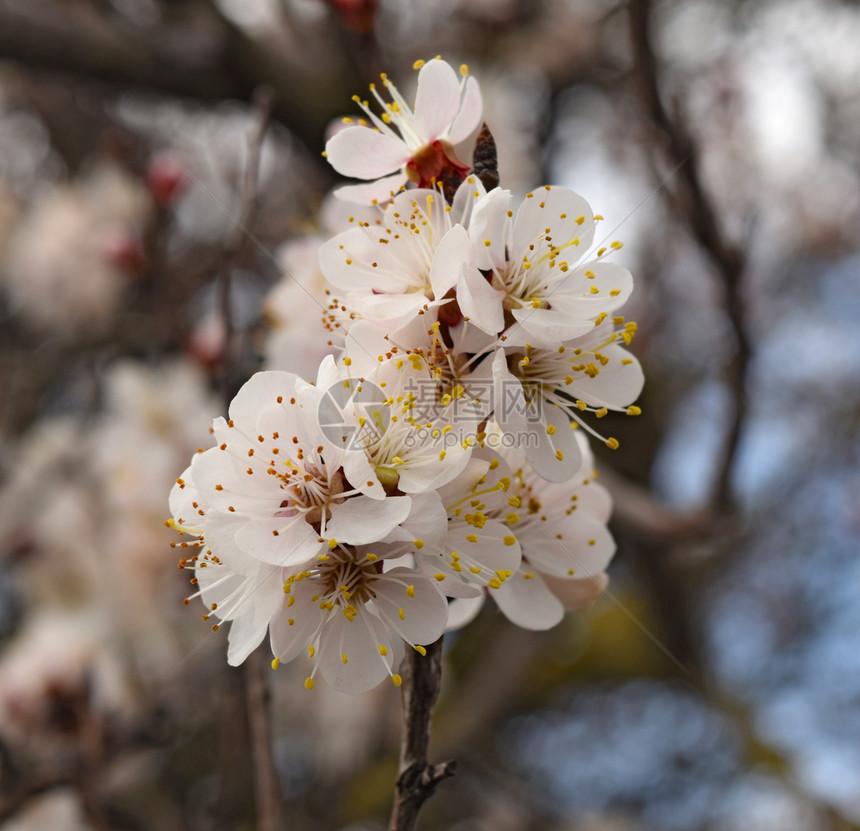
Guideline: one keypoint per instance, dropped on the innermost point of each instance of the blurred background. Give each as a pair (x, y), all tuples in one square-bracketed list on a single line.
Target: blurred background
[(717, 688)]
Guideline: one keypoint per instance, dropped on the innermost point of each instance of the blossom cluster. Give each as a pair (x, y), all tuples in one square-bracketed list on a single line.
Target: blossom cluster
[(439, 456)]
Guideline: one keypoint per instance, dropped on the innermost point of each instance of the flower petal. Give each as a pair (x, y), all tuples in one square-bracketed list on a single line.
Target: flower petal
[(525, 600), (246, 634), (376, 193), (364, 153), (548, 326), (463, 610), (293, 545), (349, 654), (361, 520), (451, 253), (480, 302), (425, 610), (437, 100), (558, 209), (427, 521), (578, 594), (576, 545), (490, 223), (293, 627), (556, 455), (469, 117), (617, 384)]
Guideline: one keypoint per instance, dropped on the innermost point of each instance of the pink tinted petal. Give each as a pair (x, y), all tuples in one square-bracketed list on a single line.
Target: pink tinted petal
[(465, 200), (451, 583), (182, 501), (594, 499), (362, 475), (614, 285), (396, 308), (365, 154), (433, 475), (427, 521), (578, 594), (222, 586), (470, 113), (437, 100), (260, 392), (465, 482), (528, 602), (463, 610), (375, 193), (509, 400), (493, 547)]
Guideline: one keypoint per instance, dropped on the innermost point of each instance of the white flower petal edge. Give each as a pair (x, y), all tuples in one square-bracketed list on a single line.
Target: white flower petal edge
[(405, 144)]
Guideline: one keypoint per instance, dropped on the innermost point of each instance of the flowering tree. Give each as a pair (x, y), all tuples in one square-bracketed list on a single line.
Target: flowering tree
[(441, 455), (415, 351)]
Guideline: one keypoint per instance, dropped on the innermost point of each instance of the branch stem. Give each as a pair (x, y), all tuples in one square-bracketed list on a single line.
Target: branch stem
[(417, 779), (267, 788)]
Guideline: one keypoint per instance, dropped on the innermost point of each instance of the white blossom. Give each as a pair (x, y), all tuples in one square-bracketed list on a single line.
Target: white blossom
[(405, 143)]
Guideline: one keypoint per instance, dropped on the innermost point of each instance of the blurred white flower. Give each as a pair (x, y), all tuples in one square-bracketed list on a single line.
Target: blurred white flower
[(67, 260), (58, 808), (56, 668), (306, 322)]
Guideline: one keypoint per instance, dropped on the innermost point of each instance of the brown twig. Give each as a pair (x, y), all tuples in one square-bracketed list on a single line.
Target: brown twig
[(238, 240), (198, 54), (416, 780), (695, 207), (267, 788), (267, 791)]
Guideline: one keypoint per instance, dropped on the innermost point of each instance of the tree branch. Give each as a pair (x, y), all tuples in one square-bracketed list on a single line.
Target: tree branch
[(202, 57), (238, 240), (267, 788), (417, 780), (696, 209)]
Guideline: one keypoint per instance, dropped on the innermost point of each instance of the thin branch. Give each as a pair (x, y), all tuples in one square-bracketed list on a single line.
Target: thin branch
[(416, 780), (267, 788), (236, 243), (199, 55), (697, 210)]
